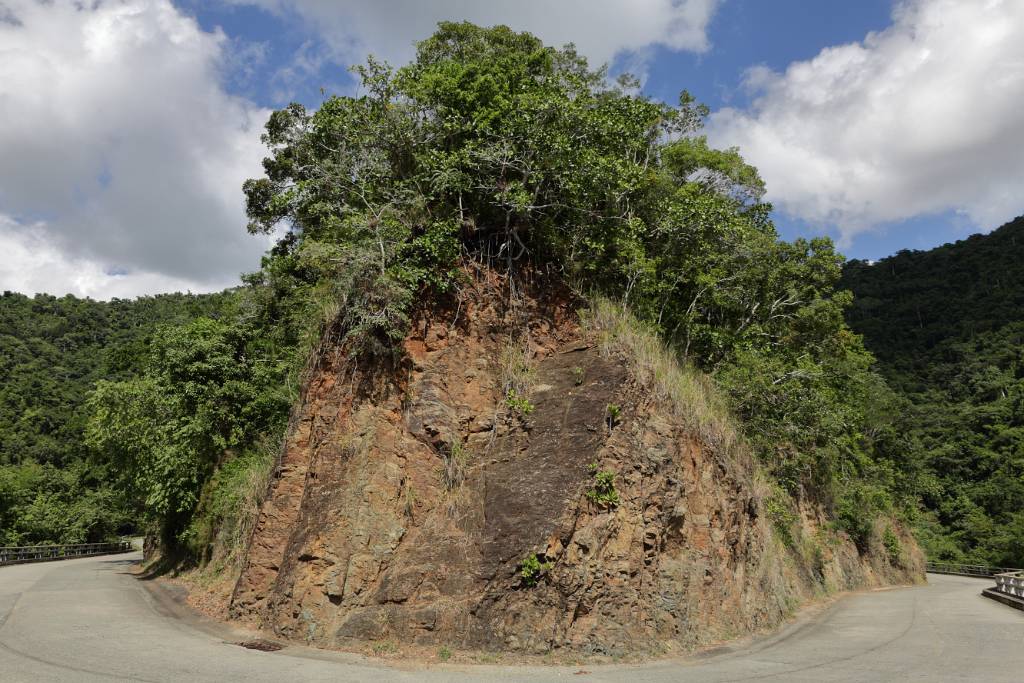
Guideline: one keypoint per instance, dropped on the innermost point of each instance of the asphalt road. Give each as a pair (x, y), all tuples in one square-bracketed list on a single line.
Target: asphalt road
[(90, 620)]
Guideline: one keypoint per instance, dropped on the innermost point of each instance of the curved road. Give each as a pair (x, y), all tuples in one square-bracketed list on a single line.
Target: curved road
[(90, 620)]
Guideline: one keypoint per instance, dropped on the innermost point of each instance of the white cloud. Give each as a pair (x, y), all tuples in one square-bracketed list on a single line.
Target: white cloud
[(601, 29), (121, 151), (30, 264), (921, 118)]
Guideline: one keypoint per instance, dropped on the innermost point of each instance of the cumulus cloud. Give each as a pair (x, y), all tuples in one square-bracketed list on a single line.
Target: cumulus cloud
[(601, 29), (30, 263), (923, 117), (123, 156)]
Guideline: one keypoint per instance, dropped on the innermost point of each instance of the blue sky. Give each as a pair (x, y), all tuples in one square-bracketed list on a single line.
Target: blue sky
[(886, 125), (742, 34), (776, 34), (771, 33)]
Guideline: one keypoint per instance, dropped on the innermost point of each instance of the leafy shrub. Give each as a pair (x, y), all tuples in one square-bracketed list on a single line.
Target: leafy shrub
[(893, 547), (859, 505), (603, 491), (779, 509), (518, 403), (612, 415), (532, 568)]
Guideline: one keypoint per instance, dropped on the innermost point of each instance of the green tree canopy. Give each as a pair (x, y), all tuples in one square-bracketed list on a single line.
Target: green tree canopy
[(202, 397), (493, 147)]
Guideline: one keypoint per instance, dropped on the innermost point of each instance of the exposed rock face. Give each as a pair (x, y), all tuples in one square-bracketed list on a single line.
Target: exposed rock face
[(362, 538)]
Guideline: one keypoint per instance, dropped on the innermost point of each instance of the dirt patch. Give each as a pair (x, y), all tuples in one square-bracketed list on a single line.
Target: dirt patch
[(261, 644)]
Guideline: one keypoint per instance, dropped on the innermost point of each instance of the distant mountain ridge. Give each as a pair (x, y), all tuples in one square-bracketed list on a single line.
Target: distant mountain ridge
[(947, 327), (915, 300)]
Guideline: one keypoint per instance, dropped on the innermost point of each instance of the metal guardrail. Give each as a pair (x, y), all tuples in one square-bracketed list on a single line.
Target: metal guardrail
[(46, 553), (979, 570)]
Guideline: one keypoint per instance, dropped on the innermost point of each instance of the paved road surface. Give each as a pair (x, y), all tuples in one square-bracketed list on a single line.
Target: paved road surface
[(89, 620)]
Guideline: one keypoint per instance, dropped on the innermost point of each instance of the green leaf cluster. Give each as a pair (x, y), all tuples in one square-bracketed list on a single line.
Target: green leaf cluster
[(603, 491), (532, 568), (205, 397), (520, 404), (492, 146)]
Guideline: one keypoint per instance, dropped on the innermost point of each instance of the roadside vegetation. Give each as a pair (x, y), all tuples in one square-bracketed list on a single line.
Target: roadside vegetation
[(53, 351)]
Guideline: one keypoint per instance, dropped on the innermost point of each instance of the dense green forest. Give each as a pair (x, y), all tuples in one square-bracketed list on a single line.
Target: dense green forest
[(493, 150), (947, 327), (52, 353)]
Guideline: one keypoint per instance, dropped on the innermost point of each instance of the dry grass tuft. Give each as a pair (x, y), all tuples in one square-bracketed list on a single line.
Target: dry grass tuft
[(516, 368), (453, 471), (690, 395)]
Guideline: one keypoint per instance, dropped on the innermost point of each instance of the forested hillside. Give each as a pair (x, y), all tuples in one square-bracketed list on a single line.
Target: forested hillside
[(947, 327), (489, 156), (53, 351)]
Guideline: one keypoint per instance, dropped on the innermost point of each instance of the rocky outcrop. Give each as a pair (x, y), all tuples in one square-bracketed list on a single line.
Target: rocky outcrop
[(409, 499)]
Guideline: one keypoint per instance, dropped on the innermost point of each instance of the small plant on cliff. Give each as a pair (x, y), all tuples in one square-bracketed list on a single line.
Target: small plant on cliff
[(532, 568), (603, 492), (782, 517), (612, 415), (893, 547), (518, 403), (577, 375), (444, 653)]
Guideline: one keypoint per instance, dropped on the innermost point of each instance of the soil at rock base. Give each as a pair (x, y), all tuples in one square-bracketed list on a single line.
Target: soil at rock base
[(361, 539)]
